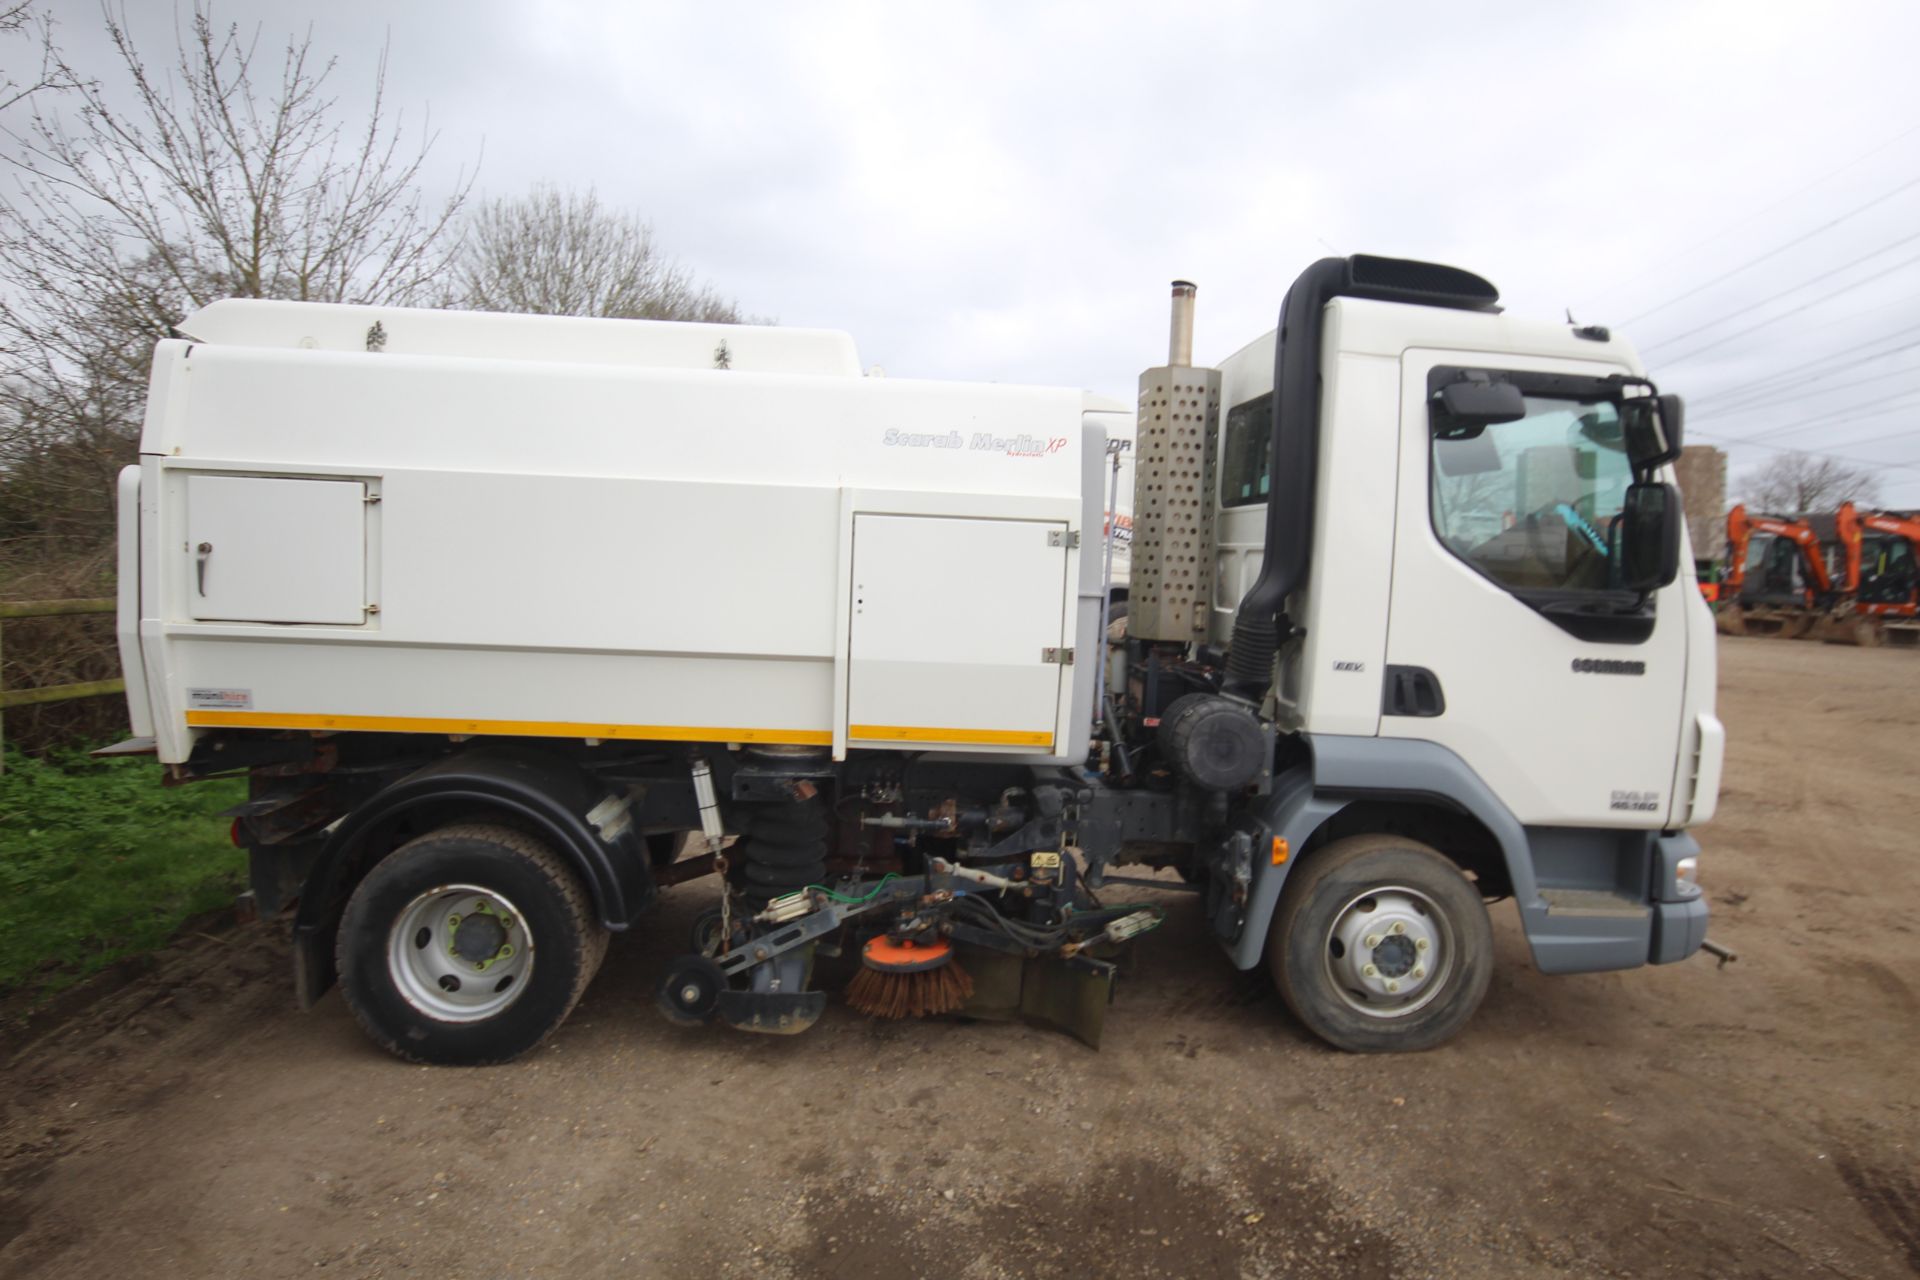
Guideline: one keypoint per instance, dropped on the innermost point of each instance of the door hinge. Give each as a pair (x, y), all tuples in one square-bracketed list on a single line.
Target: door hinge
[(1060, 657), (1063, 537)]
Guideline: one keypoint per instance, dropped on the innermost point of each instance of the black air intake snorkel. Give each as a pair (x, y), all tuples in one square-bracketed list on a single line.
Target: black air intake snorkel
[(1260, 624)]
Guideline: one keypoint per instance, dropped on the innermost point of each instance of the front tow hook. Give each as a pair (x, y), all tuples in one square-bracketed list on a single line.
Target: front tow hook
[(1725, 955)]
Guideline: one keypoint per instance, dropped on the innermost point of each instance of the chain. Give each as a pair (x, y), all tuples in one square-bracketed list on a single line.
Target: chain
[(726, 899)]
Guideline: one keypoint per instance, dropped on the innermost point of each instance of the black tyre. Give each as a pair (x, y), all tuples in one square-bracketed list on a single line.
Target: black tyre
[(467, 946), (1381, 945)]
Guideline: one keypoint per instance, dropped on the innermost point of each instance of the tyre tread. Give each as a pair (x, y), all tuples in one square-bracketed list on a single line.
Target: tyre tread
[(1298, 895), (568, 891)]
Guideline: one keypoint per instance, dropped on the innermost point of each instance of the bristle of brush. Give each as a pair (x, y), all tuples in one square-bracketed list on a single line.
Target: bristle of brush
[(916, 995)]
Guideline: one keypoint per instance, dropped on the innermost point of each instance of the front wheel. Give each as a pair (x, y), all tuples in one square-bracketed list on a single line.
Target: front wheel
[(1381, 945), (468, 945)]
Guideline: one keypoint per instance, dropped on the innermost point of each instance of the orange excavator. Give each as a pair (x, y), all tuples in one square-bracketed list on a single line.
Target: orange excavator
[(1777, 581), (1880, 578)]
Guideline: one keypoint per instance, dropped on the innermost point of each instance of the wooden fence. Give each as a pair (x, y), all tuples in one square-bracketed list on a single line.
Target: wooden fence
[(51, 692)]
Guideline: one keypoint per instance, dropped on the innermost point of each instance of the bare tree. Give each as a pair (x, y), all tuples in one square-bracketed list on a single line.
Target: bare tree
[(226, 174), (16, 19), (1791, 483), (556, 252)]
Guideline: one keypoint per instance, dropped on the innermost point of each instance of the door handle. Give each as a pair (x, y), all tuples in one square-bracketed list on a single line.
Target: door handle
[(204, 550)]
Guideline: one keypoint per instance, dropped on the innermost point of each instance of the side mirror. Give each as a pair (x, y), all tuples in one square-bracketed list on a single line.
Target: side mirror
[(1472, 405), (1649, 537), (1653, 429)]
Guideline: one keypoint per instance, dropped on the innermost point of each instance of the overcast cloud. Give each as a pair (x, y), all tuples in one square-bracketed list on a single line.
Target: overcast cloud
[(1002, 191)]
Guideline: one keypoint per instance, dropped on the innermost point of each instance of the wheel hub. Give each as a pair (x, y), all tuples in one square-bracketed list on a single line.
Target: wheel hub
[(1388, 952), (460, 953), (1394, 956), (481, 937)]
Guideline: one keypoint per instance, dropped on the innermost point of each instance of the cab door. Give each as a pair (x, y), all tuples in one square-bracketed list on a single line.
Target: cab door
[(1506, 641)]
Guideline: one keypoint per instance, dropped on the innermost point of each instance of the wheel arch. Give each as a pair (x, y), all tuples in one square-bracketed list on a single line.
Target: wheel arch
[(1384, 786), (523, 788)]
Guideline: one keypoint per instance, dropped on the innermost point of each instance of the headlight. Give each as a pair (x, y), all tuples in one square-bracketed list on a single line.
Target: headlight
[(1688, 872)]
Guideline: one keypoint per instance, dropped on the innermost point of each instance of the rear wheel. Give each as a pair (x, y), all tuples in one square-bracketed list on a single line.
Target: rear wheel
[(1381, 945), (469, 945)]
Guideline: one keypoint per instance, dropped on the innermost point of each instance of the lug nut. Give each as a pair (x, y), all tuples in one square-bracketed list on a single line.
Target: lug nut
[(1393, 986), (1419, 973), (1371, 972), (1422, 945), (1399, 926), (1373, 940)]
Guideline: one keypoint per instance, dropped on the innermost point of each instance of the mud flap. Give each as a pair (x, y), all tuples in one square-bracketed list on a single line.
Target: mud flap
[(1067, 995)]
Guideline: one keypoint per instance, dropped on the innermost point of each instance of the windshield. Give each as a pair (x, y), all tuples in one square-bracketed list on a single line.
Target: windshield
[(1532, 503)]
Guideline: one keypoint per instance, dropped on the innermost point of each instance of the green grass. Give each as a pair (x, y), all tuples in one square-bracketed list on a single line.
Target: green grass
[(98, 861)]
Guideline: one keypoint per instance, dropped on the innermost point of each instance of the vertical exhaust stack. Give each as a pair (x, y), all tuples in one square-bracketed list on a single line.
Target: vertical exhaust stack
[(1170, 593), (1180, 332)]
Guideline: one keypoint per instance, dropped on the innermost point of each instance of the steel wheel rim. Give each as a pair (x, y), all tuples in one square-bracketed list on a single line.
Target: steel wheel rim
[(460, 953), (1403, 937)]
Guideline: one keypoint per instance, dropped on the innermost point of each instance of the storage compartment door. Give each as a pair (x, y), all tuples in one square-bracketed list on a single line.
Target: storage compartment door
[(260, 550), (956, 631)]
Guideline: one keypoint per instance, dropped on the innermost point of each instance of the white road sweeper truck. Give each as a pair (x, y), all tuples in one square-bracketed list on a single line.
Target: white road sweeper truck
[(511, 621)]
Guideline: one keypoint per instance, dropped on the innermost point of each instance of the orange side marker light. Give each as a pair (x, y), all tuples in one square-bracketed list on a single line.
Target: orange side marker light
[(1279, 850)]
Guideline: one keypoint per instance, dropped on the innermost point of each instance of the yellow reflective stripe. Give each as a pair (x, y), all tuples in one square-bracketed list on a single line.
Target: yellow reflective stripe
[(517, 728), (985, 737)]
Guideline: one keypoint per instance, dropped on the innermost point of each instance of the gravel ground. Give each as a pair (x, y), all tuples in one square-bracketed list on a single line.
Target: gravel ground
[(1757, 1120)]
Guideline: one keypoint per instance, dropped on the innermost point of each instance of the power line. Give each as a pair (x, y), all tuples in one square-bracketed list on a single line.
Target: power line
[(1850, 322), (1768, 403), (1804, 284), (1778, 249), (1818, 453), (1763, 210), (1890, 435), (1793, 371), (1825, 297), (1763, 388), (1836, 414), (1750, 411)]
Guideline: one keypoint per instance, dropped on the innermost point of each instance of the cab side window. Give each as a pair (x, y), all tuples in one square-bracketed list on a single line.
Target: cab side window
[(1248, 450), (1532, 503)]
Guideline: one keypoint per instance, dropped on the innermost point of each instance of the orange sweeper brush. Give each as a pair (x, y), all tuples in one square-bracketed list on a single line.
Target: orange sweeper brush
[(905, 978)]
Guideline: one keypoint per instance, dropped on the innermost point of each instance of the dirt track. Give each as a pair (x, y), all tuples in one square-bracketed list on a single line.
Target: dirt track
[(1758, 1121)]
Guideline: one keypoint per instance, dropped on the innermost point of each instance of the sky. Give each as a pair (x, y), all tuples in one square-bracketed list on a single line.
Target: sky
[(1002, 191)]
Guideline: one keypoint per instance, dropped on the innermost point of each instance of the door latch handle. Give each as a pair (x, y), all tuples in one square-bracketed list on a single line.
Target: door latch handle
[(204, 550)]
